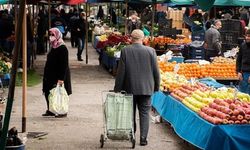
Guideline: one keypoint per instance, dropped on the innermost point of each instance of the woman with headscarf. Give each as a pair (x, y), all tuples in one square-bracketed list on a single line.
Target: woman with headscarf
[(56, 69)]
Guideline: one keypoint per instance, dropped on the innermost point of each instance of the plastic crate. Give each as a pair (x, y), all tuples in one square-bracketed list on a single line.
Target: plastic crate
[(231, 25), (230, 37), (198, 57), (178, 59), (199, 36), (196, 53)]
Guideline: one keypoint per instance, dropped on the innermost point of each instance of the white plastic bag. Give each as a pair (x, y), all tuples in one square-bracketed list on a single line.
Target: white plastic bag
[(58, 100)]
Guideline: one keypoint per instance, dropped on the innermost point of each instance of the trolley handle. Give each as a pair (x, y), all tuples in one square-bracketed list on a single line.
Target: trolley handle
[(122, 91)]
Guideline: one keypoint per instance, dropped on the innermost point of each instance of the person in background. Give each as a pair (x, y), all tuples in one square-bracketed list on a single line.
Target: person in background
[(100, 14), (81, 33), (196, 16), (56, 69), (243, 64), (73, 29), (138, 74), (113, 16), (59, 22), (212, 41), (6, 30), (41, 31), (134, 23)]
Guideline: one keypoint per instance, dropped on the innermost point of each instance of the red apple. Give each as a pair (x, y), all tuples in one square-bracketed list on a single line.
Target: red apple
[(244, 121), (225, 121), (236, 112), (229, 101), (240, 117), (232, 106), (247, 117), (237, 122), (234, 118)]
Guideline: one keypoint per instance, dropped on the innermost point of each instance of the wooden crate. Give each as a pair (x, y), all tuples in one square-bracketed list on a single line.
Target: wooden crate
[(177, 24)]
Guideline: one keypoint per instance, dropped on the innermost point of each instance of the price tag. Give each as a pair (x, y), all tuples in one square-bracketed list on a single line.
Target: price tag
[(176, 68), (192, 80), (235, 93)]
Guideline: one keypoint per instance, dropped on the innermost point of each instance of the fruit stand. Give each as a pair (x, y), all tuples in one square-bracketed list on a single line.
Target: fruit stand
[(196, 130), (218, 116), (109, 47)]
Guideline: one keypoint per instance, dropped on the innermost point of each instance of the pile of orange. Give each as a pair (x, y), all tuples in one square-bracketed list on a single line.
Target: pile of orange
[(219, 70), (161, 40), (189, 70)]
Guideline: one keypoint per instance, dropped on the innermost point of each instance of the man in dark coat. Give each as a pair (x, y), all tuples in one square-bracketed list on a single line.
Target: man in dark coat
[(81, 33), (243, 65), (138, 74)]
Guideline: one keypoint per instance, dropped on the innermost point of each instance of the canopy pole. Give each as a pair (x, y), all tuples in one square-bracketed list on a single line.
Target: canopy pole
[(153, 20), (24, 74), (13, 76), (49, 9), (126, 17), (87, 35)]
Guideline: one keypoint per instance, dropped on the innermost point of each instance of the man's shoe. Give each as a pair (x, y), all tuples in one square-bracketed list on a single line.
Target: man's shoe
[(143, 141), (79, 59), (48, 113)]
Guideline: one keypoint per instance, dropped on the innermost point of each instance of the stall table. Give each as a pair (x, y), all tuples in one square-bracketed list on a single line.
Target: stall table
[(197, 131)]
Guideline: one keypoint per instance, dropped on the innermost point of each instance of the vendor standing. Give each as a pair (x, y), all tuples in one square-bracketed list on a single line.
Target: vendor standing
[(212, 41), (243, 64)]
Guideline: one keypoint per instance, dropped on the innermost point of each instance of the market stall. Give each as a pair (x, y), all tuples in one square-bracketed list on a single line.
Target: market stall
[(197, 131)]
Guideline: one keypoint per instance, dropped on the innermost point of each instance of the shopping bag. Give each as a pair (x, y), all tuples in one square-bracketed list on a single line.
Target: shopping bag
[(58, 100)]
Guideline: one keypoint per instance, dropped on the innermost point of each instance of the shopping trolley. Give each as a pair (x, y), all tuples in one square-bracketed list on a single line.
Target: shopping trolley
[(118, 117)]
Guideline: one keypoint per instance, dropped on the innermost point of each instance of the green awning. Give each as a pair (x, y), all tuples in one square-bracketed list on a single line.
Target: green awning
[(205, 5), (232, 3), (4, 1), (182, 2)]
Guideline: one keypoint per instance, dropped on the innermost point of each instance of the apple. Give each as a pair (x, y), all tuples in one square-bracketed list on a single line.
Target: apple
[(232, 106), (237, 122), (229, 101), (244, 121), (240, 117), (247, 117), (236, 112), (234, 118), (225, 121)]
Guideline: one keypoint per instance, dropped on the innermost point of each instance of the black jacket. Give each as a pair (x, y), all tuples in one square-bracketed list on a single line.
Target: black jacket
[(243, 61), (81, 27), (57, 68)]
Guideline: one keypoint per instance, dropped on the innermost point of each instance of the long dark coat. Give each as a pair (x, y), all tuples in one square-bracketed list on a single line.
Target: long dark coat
[(57, 68)]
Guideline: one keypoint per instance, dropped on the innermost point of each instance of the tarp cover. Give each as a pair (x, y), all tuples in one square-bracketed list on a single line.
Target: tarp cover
[(197, 131)]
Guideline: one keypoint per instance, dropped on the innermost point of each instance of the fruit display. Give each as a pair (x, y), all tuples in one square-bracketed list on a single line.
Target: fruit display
[(112, 40), (215, 70), (226, 112), (161, 40), (221, 59), (219, 70), (186, 90), (103, 37), (170, 81), (111, 50)]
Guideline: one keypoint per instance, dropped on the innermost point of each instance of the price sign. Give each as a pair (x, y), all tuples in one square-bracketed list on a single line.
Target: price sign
[(176, 68)]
